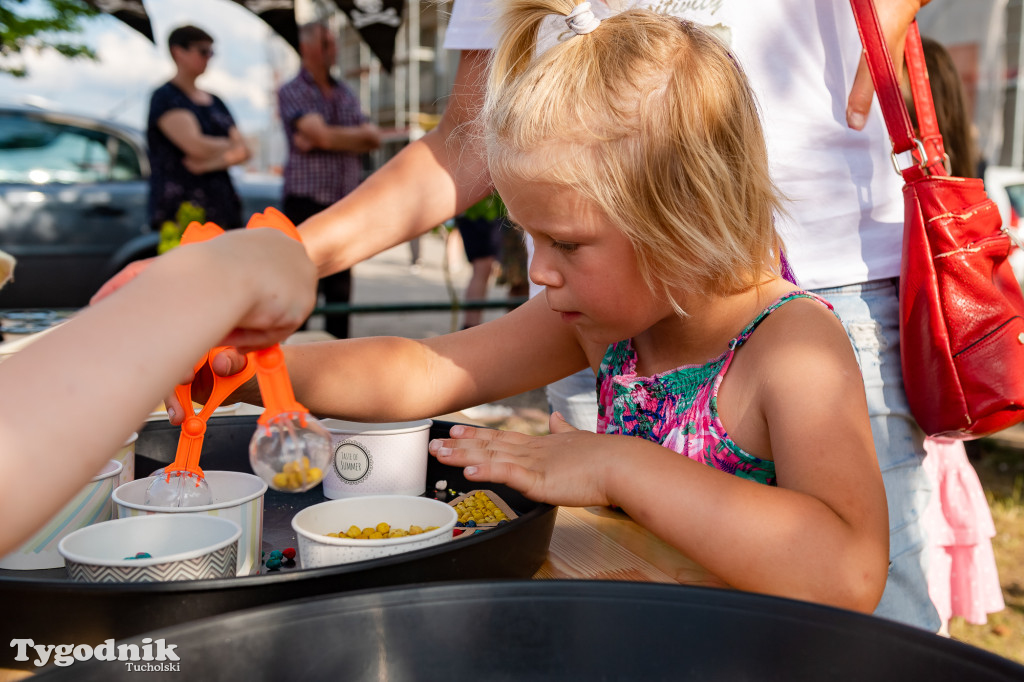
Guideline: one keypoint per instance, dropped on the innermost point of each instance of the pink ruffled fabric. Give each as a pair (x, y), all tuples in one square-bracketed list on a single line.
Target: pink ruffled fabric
[(962, 576)]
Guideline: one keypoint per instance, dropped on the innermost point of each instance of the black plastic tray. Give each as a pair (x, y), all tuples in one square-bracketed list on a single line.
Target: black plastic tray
[(47, 607), (559, 630)]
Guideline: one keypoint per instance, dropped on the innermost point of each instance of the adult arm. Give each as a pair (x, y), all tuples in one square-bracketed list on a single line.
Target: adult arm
[(238, 152), (429, 181), (895, 17), (312, 132), (182, 128)]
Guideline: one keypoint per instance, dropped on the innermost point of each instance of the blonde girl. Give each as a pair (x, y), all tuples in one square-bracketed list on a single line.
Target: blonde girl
[(733, 420)]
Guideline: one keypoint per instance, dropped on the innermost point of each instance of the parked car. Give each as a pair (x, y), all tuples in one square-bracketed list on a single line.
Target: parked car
[(1005, 186), (73, 204)]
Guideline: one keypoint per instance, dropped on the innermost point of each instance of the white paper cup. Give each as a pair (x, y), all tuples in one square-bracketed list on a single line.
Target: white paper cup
[(376, 459), (236, 495), (312, 524), (91, 505), (181, 547)]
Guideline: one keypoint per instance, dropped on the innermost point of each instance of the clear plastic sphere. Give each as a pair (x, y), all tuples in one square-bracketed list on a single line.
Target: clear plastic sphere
[(180, 489), (291, 453)]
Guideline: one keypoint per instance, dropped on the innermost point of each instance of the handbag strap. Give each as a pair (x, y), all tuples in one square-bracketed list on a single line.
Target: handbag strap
[(929, 151), (924, 107)]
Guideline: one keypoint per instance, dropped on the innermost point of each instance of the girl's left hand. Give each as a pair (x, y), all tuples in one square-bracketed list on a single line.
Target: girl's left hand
[(564, 468)]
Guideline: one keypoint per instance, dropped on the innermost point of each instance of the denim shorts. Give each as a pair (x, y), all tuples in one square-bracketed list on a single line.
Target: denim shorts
[(870, 313), (575, 397)]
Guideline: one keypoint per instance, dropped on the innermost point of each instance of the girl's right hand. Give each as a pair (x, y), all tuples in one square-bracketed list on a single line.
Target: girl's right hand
[(562, 468)]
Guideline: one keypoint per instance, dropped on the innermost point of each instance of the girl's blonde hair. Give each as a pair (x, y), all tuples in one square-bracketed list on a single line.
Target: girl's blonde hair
[(651, 119)]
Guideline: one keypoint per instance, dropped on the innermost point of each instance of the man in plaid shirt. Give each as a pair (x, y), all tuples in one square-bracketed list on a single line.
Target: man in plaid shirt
[(326, 133)]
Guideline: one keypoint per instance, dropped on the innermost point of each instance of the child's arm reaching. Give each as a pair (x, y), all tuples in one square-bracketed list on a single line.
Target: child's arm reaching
[(821, 535), (381, 379), (73, 397)]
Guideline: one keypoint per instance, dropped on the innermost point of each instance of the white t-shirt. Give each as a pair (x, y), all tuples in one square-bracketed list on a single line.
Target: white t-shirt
[(845, 222)]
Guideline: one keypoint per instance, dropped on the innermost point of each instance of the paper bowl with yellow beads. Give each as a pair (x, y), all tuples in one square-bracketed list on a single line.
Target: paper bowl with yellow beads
[(332, 532)]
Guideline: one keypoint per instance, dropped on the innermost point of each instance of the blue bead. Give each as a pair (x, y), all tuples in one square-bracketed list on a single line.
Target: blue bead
[(273, 563), (276, 554), (471, 524)]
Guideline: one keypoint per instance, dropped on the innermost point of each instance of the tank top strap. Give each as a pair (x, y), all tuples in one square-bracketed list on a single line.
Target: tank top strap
[(785, 298)]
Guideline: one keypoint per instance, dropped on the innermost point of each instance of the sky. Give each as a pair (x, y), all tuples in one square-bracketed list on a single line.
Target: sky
[(250, 61)]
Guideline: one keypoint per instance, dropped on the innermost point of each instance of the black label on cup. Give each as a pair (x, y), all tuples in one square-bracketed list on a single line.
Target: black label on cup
[(352, 461)]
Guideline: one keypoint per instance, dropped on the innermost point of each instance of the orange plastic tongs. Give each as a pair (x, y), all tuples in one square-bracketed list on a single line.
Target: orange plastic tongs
[(193, 429), (271, 372)]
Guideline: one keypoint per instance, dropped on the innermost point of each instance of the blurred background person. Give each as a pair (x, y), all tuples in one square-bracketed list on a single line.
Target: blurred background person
[(327, 132), (192, 139), (480, 226)]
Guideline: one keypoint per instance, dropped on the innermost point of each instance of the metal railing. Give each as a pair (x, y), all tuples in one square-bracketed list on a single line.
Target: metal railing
[(32, 320)]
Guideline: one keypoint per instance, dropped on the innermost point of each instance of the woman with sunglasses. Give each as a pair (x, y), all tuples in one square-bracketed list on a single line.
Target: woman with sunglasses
[(192, 139)]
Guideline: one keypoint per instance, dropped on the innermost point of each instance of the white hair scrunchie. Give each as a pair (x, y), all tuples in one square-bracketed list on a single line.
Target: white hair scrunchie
[(581, 20)]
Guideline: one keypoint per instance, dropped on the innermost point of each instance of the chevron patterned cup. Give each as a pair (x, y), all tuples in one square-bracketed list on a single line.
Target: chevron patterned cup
[(91, 505), (236, 495), (180, 547)]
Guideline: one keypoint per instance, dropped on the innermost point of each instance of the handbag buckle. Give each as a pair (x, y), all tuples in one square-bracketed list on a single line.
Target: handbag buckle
[(919, 159), (1013, 235)]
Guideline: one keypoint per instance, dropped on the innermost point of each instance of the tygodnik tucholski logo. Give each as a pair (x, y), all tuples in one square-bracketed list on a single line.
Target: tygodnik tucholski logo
[(151, 655)]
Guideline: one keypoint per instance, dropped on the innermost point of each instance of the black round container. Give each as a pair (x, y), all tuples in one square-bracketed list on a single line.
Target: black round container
[(48, 608), (558, 630)]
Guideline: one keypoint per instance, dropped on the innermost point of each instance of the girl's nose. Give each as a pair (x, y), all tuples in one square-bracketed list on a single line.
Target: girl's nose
[(541, 272)]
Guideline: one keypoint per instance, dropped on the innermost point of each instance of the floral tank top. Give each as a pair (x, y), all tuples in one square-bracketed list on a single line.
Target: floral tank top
[(679, 408)]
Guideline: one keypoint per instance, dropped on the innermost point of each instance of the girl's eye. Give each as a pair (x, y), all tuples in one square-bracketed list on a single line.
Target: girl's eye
[(566, 247)]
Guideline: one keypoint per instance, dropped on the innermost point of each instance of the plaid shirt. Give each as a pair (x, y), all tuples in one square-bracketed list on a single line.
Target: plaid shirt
[(321, 175)]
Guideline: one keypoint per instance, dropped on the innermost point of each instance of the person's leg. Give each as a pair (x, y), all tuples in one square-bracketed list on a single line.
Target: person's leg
[(870, 313), (414, 252), (476, 289), (478, 241), (337, 288)]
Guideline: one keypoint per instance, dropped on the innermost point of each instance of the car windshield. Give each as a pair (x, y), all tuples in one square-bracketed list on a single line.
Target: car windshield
[(35, 151)]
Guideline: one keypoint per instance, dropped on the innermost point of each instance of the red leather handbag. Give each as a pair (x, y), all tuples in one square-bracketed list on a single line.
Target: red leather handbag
[(961, 308)]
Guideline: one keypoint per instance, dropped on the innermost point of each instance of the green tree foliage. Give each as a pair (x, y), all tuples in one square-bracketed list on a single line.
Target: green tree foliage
[(490, 207), (40, 25)]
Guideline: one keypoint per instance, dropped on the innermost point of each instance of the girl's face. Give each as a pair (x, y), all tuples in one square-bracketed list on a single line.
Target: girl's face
[(586, 263)]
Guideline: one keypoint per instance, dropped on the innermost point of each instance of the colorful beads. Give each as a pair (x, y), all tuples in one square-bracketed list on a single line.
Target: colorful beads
[(279, 558), (478, 508)]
